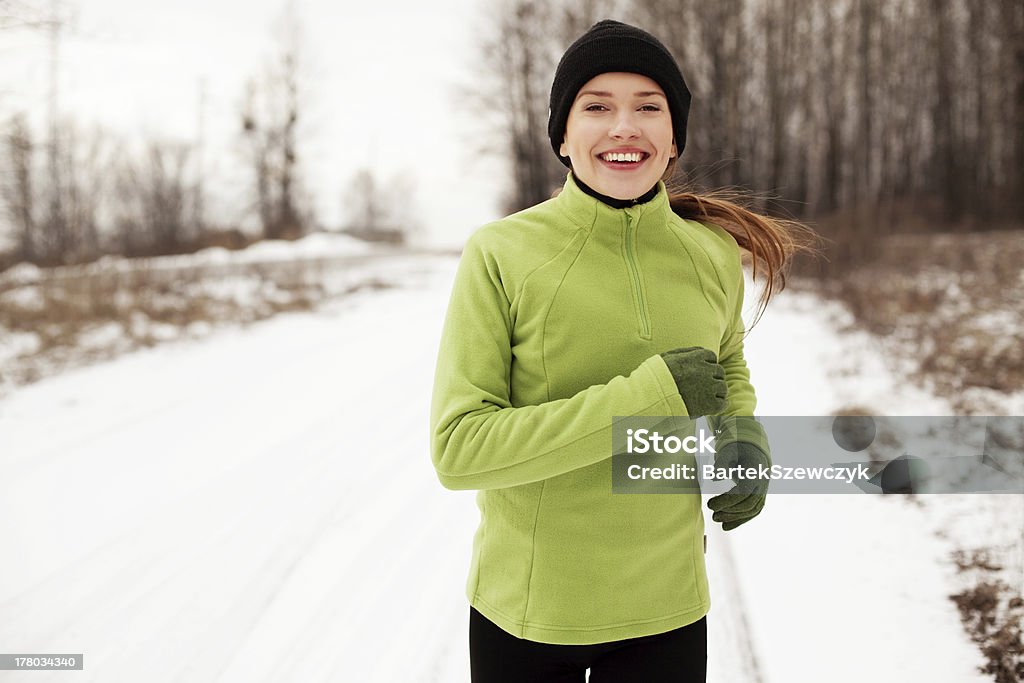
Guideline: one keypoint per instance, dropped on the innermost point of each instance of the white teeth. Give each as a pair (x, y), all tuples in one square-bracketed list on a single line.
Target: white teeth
[(622, 156)]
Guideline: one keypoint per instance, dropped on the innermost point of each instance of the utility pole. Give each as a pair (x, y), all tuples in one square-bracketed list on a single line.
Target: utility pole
[(199, 218), (56, 224)]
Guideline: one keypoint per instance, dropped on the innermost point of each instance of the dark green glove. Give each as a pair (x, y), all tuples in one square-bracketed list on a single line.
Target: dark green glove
[(744, 501), (699, 379)]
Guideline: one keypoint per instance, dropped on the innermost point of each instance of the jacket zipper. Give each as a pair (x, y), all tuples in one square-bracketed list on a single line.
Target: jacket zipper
[(634, 272)]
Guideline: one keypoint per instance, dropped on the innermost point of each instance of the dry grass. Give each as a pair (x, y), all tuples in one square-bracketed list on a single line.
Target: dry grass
[(71, 321), (992, 612), (952, 303)]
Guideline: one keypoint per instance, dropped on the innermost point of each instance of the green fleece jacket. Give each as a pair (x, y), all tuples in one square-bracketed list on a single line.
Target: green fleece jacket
[(556, 319)]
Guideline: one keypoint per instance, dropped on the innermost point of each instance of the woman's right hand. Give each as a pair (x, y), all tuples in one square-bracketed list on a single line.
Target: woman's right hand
[(699, 379)]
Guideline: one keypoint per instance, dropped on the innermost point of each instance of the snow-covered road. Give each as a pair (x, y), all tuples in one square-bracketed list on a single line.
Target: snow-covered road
[(260, 506)]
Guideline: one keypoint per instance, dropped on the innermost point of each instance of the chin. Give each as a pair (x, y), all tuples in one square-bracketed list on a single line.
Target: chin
[(631, 191), (619, 187)]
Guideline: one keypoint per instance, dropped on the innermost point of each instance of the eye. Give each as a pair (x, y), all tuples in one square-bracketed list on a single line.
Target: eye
[(650, 107), (595, 107)]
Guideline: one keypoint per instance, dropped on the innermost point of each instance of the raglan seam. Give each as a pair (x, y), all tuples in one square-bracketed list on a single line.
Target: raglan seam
[(547, 314), (730, 322), (693, 263), (554, 257), (707, 253)]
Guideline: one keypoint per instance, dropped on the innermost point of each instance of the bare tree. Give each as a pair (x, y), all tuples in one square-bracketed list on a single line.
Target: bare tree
[(84, 161), (18, 187), (1010, 35), (520, 60), (155, 197), (832, 103), (380, 212), (270, 118), (77, 187), (66, 226), (367, 207), (945, 165)]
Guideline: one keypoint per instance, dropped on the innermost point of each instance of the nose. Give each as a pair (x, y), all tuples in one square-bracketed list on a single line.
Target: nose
[(624, 127)]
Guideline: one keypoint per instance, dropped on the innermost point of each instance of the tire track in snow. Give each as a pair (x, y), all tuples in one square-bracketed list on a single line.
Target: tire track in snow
[(732, 652)]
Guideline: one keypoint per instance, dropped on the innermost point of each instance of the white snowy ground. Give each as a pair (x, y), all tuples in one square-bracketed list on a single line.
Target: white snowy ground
[(260, 506)]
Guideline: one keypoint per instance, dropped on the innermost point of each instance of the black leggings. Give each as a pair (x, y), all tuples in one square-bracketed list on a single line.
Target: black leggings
[(679, 656)]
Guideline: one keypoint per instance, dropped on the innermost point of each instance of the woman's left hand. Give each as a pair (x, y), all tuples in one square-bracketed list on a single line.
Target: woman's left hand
[(745, 500)]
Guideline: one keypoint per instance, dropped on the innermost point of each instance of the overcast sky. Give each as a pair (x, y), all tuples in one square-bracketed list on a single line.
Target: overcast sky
[(380, 81)]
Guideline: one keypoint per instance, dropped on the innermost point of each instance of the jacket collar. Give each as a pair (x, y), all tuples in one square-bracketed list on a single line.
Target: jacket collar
[(589, 212)]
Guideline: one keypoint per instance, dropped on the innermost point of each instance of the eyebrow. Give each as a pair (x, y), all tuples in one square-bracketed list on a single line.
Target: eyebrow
[(603, 93)]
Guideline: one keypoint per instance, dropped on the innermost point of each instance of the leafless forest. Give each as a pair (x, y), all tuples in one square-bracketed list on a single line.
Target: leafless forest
[(71, 194), (864, 118)]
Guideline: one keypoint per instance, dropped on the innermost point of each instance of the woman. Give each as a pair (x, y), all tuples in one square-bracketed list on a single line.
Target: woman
[(610, 299)]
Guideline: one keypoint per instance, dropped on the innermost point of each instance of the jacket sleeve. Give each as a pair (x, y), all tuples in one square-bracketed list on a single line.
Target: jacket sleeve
[(741, 397), (478, 439)]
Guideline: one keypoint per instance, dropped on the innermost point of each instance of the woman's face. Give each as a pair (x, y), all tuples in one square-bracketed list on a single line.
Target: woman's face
[(621, 113)]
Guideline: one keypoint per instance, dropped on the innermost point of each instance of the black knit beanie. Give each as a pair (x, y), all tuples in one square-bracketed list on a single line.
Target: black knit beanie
[(614, 46)]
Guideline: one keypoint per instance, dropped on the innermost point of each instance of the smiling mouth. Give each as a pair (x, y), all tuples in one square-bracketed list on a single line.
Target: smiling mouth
[(623, 160)]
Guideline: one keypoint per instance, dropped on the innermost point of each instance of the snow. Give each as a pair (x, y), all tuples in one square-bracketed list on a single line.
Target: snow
[(21, 273), (850, 588), (316, 245), (800, 365), (106, 334), (312, 246), (13, 344), (259, 505), (28, 298)]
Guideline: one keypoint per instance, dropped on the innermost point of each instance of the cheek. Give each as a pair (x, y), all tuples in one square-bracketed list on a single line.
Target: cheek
[(664, 138), (583, 133), (578, 145)]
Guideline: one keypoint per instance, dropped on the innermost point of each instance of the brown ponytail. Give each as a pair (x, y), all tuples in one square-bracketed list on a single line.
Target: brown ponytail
[(771, 242)]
